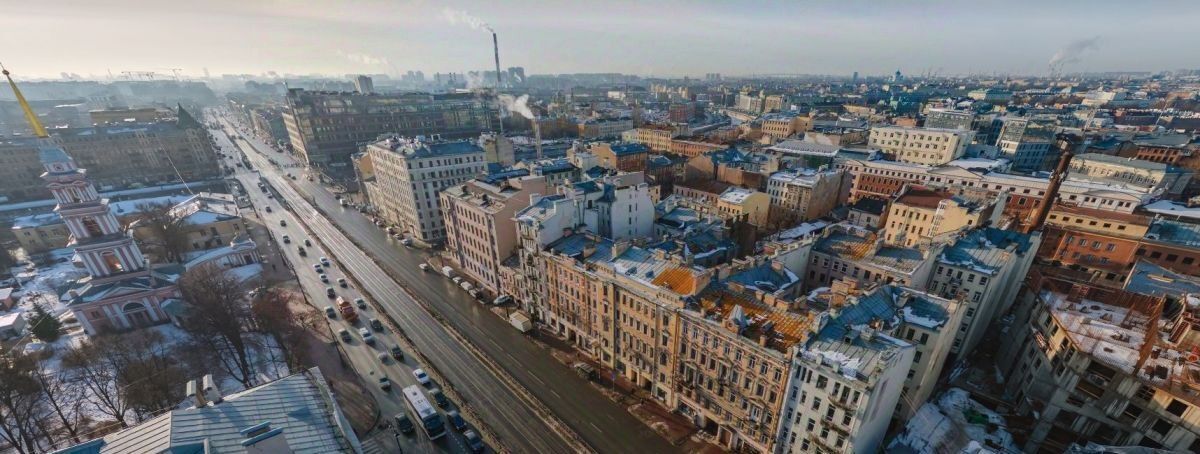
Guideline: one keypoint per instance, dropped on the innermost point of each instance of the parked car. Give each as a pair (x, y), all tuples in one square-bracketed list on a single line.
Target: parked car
[(457, 279), (287, 239), (329, 312), (303, 253), (367, 336), (317, 267), (361, 303), (324, 261), (473, 441), (268, 208), (423, 266), (345, 335), (329, 292), (384, 383), (376, 324), (283, 222), (397, 353), (407, 242), (421, 376), (404, 424), (439, 397), (308, 242), (383, 357), (342, 282), (456, 420), (324, 278)]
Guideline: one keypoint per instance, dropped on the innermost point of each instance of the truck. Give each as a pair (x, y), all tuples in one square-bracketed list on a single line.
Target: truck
[(447, 271), (520, 321), (347, 310)]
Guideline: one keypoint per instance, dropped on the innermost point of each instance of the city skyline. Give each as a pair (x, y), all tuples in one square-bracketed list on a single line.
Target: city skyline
[(297, 37)]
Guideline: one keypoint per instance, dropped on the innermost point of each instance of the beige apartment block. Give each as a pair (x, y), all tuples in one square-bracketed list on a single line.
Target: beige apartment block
[(480, 230), (921, 145), (921, 215)]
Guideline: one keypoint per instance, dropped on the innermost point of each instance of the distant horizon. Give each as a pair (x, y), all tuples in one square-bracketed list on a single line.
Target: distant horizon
[(670, 38)]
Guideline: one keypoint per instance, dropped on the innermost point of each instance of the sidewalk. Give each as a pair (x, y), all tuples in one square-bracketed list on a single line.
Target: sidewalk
[(677, 429)]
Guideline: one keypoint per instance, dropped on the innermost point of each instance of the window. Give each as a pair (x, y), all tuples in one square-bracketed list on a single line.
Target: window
[(1176, 407)]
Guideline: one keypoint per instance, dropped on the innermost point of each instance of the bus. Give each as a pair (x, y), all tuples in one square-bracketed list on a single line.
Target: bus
[(431, 421)]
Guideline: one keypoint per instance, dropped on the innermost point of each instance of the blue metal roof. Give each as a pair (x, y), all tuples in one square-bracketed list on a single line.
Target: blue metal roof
[(628, 149)]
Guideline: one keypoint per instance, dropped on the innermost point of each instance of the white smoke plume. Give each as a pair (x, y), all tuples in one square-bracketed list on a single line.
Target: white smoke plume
[(458, 16), (1073, 51), (520, 105)]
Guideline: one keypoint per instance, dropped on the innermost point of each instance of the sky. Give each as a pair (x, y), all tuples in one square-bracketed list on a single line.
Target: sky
[(43, 38)]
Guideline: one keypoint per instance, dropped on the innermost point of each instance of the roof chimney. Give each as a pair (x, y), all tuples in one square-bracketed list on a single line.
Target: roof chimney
[(211, 391), (195, 394)]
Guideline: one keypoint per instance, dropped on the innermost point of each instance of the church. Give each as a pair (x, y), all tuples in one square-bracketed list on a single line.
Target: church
[(121, 291)]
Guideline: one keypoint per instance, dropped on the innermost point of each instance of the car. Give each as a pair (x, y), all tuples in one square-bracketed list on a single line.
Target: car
[(325, 261), (308, 242), (268, 209), (391, 230), (342, 282), (456, 420), (439, 397), (423, 266), (457, 279), (397, 353), (330, 312), (384, 383), (324, 278), (287, 239), (329, 292), (367, 336), (303, 253), (383, 357), (376, 324), (317, 267), (473, 441), (421, 376), (404, 424), (345, 335), (361, 303), (406, 241), (283, 222)]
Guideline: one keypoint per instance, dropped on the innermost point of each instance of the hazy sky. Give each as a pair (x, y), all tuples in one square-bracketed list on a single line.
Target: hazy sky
[(46, 37)]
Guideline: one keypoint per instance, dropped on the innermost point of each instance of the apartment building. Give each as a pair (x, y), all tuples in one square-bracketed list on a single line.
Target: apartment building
[(604, 128), (1093, 241), (657, 137), (984, 268), (804, 194), (782, 125), (692, 148), (950, 119), (480, 231), (326, 128), (733, 363), (867, 213), (409, 174), (625, 157), (921, 145), (117, 156), (1028, 144), (846, 252), (741, 203), (1105, 365), (1172, 244), (1142, 175), (846, 381), (922, 215)]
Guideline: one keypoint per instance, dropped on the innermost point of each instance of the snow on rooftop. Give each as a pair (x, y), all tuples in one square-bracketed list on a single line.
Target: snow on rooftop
[(1101, 330), (736, 195)]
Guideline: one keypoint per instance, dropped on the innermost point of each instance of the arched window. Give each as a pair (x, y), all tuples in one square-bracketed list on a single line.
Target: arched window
[(137, 314), (112, 262), (92, 227)]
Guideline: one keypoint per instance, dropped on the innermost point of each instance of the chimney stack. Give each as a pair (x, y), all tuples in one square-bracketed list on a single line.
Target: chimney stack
[(195, 394), (211, 391)]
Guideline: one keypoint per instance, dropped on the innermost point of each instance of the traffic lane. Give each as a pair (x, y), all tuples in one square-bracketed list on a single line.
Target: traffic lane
[(475, 386), (363, 357), (473, 316), (493, 335), (435, 344)]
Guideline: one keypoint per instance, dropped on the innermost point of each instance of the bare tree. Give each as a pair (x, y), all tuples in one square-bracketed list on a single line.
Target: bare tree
[(273, 316), (168, 233), (218, 318), (63, 396), (19, 403), (95, 365), (152, 377)]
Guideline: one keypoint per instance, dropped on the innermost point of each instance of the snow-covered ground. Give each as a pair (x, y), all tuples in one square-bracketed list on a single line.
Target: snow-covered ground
[(39, 284)]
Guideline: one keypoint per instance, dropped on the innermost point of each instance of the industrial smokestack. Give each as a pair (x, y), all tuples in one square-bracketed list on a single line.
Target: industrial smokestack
[(537, 138), (496, 52), (1067, 144)]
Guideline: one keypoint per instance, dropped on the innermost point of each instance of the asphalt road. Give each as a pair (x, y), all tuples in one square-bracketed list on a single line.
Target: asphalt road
[(363, 358), (604, 425), (519, 428)]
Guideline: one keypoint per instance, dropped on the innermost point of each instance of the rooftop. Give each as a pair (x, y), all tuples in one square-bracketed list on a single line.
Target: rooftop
[(984, 250), (1131, 162), (736, 195), (419, 147), (783, 329), (870, 205), (298, 408), (1150, 279), (626, 149), (1174, 232)]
